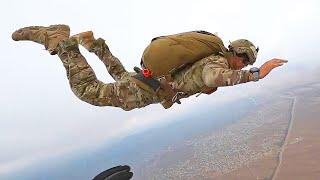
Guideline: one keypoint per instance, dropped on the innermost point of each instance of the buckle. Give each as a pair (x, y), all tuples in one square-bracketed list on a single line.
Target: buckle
[(176, 98)]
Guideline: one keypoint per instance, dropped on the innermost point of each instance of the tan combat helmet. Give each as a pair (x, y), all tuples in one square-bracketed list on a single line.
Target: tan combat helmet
[(243, 46)]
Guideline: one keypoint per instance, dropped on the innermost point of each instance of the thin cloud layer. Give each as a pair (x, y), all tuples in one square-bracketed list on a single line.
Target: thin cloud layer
[(39, 115)]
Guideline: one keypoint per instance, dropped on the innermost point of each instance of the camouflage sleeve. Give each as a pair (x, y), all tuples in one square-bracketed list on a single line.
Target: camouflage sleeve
[(216, 74)]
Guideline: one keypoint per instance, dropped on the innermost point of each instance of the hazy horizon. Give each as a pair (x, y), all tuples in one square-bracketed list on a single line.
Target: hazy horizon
[(41, 118)]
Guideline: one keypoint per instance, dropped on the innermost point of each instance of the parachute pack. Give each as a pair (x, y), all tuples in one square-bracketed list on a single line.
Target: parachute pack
[(166, 54)]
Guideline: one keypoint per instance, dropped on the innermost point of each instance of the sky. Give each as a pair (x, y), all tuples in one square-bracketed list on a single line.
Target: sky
[(41, 118)]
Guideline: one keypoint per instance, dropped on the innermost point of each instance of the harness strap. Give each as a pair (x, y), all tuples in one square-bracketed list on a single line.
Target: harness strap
[(153, 83), (158, 87), (168, 94)]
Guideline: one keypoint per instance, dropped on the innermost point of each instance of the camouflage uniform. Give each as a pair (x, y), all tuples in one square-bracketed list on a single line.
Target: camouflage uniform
[(208, 73), (212, 71), (123, 93)]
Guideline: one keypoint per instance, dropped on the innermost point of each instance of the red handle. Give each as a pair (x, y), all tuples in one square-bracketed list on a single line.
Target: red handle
[(146, 73)]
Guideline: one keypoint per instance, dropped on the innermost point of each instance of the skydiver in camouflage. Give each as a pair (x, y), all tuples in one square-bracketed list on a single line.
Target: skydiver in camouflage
[(130, 91)]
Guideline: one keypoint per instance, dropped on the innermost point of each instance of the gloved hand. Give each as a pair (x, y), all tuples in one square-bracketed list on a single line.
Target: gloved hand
[(115, 173)]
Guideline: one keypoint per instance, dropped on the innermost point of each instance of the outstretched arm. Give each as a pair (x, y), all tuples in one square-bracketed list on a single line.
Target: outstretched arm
[(216, 73)]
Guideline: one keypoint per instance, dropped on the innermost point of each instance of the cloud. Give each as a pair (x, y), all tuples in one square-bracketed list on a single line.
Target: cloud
[(41, 116)]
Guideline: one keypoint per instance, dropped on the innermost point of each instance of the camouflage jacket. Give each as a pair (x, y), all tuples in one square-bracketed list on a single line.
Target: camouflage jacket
[(211, 72)]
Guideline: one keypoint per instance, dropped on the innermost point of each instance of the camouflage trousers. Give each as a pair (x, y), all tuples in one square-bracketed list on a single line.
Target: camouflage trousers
[(123, 93)]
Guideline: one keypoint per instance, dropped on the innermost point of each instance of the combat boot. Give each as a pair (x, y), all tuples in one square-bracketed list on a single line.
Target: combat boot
[(47, 36), (86, 39)]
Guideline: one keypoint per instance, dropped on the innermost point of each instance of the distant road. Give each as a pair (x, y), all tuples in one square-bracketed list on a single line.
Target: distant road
[(285, 143)]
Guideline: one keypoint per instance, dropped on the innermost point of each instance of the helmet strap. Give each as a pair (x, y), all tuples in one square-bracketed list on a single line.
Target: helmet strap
[(229, 56)]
